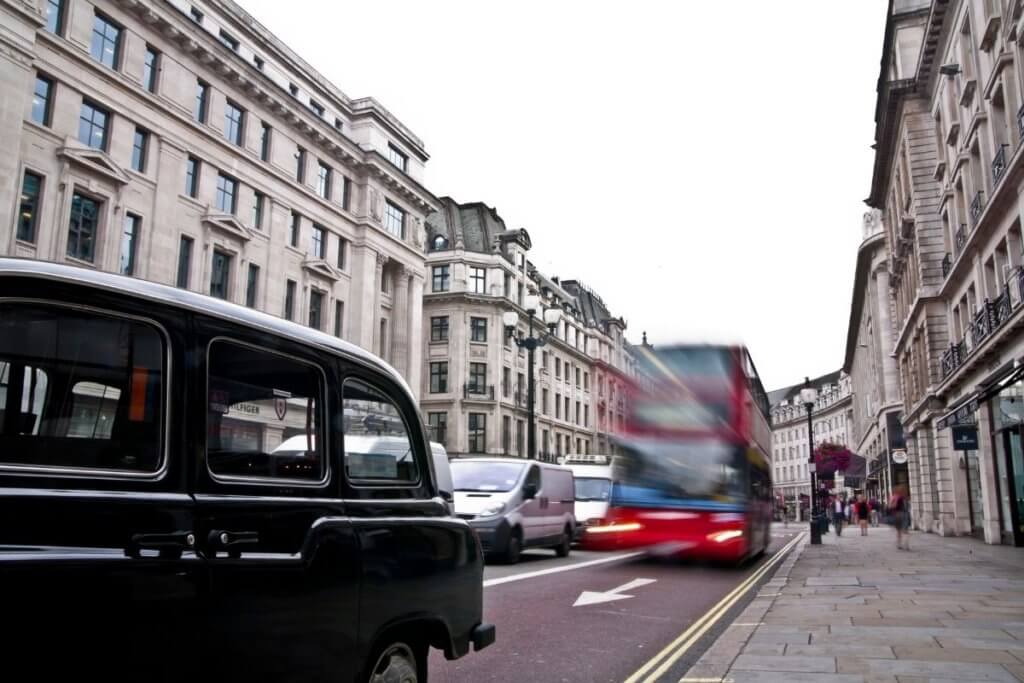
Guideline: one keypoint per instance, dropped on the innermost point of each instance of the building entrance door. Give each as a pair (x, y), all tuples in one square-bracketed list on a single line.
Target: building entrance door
[(1012, 483)]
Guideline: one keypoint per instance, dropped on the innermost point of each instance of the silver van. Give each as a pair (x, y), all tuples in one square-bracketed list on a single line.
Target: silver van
[(443, 473), (592, 477), (514, 504)]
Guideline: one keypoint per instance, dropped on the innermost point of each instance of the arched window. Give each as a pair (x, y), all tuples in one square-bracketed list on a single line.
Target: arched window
[(439, 242)]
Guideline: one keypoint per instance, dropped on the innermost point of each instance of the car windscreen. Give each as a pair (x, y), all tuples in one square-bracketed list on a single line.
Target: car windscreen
[(593, 488), (703, 469), (485, 476)]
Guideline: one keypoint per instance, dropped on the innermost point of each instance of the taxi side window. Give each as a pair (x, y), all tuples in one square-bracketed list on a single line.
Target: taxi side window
[(263, 415), (377, 443), (80, 389)]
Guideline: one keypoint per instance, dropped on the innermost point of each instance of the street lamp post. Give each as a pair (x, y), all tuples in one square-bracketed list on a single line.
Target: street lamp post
[(808, 396), (530, 342)]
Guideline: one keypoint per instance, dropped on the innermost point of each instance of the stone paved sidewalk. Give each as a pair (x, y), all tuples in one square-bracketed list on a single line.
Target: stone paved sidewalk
[(857, 609)]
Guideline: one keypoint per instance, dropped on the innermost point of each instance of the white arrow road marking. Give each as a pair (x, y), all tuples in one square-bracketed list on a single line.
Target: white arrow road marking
[(594, 597)]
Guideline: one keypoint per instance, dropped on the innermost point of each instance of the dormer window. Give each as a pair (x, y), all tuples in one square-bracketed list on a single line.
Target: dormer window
[(439, 243), (398, 158)]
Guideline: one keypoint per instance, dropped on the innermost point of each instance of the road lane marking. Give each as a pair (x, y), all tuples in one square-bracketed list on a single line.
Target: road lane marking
[(556, 570), (674, 650), (597, 597)]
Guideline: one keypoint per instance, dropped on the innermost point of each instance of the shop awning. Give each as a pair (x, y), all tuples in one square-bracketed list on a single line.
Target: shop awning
[(963, 414), (993, 387)]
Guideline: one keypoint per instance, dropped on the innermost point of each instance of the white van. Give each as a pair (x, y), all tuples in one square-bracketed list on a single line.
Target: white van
[(592, 478), (443, 474), (514, 504)]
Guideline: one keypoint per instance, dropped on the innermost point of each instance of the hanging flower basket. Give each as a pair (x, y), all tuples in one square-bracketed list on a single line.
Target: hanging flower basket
[(830, 458)]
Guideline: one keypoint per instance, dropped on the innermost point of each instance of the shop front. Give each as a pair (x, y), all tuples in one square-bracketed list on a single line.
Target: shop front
[(1006, 409), (962, 424)]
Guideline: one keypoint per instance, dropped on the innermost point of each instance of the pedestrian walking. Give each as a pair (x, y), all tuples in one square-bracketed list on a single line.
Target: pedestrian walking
[(898, 512), (873, 504), (838, 515), (862, 515)]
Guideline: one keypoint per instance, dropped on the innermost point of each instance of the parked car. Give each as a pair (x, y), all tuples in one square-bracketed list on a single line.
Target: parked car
[(592, 482), (176, 497), (514, 504)]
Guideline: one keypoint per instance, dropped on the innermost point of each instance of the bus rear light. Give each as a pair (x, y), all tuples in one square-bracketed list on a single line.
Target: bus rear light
[(615, 526), (723, 536)]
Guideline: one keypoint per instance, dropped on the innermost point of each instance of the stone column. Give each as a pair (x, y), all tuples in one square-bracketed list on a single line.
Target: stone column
[(374, 317), (20, 20), (415, 334), (989, 475), (400, 322)]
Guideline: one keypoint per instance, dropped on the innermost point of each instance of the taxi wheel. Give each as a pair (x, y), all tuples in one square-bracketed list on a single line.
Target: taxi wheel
[(396, 664)]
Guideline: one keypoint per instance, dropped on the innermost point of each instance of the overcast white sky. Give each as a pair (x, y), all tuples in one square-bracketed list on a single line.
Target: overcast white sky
[(700, 164)]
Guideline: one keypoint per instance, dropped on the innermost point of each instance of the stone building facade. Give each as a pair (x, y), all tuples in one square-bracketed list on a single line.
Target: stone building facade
[(876, 431), (474, 387), (830, 422), (948, 179), (181, 142)]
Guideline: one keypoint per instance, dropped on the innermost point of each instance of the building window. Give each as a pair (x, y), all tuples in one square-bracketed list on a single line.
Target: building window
[(396, 157), (318, 242), (342, 252), (439, 278), (346, 192), (202, 101), (140, 143), (41, 101), (586, 416), (228, 40), (506, 434), (558, 368), (92, 126), (586, 381), (316, 306), (385, 278), (196, 15), (478, 280), (394, 220), (289, 299), (338, 125), (578, 373), (558, 406), (339, 317), (265, 133), (506, 382), (234, 122), (294, 228), (439, 328), (478, 329), (439, 377), (252, 283), (258, 61), (220, 274), (323, 180), (106, 41), (317, 108), (477, 432), (508, 286), (184, 261), (478, 378), (150, 67), (28, 212), (55, 16), (300, 165), (257, 210), (226, 191), (439, 243), (192, 177), (82, 227), (129, 242), (293, 90), (438, 425), (544, 401)]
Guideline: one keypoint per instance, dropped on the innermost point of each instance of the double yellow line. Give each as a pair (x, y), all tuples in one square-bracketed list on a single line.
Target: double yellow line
[(678, 647)]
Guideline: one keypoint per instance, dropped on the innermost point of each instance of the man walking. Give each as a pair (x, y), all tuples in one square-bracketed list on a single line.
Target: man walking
[(839, 515)]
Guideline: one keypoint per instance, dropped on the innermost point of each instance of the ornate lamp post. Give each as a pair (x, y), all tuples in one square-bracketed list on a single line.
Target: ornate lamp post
[(808, 396), (530, 342)]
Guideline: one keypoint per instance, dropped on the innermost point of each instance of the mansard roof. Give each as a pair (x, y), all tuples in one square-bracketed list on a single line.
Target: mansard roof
[(473, 227)]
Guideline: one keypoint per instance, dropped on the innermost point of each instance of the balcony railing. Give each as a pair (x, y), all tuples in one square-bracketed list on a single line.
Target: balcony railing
[(999, 164), (476, 391), (960, 238), (982, 325), (947, 265), (1001, 308), (992, 315), (1020, 124), (977, 206)]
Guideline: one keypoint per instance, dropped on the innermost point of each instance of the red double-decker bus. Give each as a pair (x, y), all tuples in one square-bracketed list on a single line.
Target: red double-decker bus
[(693, 477)]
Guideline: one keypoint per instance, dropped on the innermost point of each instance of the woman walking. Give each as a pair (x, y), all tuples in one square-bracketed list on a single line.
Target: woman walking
[(898, 511), (862, 515)]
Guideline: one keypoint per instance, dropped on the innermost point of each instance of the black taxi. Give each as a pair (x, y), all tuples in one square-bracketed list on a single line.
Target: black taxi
[(193, 488)]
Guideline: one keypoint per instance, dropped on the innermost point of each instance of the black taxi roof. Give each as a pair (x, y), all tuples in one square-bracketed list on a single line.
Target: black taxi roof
[(208, 305)]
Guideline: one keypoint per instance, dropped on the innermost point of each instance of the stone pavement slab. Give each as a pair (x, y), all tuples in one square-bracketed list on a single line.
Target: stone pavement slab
[(857, 609)]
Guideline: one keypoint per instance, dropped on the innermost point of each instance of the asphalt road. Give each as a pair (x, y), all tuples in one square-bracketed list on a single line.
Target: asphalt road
[(543, 638)]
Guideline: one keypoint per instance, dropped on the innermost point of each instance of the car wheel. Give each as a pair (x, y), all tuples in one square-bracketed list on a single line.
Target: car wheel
[(396, 664), (563, 548), (513, 548)]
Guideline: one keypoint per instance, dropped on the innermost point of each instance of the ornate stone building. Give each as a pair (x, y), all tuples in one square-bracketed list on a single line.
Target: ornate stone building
[(181, 142), (876, 431), (474, 387), (948, 179)]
